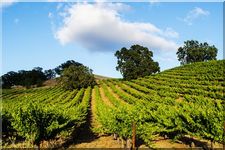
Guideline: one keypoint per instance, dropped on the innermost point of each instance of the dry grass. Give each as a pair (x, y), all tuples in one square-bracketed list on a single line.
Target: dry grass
[(117, 97), (50, 83), (101, 142), (93, 120), (180, 100), (104, 98)]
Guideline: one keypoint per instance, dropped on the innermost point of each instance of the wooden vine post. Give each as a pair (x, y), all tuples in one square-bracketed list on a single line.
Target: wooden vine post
[(133, 135)]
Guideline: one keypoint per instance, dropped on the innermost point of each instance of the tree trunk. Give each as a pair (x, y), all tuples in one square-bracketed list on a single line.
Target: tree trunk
[(123, 143), (192, 144), (129, 143), (212, 144), (115, 136)]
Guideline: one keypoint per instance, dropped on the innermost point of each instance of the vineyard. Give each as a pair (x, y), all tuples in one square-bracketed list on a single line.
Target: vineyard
[(180, 102)]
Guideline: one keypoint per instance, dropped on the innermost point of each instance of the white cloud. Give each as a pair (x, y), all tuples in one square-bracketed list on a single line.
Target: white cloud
[(168, 59), (195, 14), (100, 27), (169, 32)]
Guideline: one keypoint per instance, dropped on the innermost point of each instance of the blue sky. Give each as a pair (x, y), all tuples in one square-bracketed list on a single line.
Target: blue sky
[(48, 34)]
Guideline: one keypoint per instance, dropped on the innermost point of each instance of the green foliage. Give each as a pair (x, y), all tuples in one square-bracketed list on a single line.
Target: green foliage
[(6, 119), (33, 122), (193, 51), (65, 65), (24, 78), (136, 62), (76, 77), (44, 113), (34, 77), (186, 100), (50, 73)]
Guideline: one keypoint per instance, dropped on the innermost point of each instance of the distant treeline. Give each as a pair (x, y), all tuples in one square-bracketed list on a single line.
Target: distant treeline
[(27, 78), (34, 77)]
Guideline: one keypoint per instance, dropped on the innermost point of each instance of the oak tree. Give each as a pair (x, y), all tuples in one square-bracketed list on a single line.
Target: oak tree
[(193, 51), (136, 62)]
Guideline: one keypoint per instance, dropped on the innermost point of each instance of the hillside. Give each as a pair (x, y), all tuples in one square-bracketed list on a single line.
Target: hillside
[(184, 103), (185, 100), (99, 77), (53, 82)]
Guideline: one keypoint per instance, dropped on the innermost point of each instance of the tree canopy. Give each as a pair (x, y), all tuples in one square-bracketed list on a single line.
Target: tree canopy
[(76, 77), (24, 78), (193, 51), (136, 62), (68, 63), (50, 73), (73, 75)]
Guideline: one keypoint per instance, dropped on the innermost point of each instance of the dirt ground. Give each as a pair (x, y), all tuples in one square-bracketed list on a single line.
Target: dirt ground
[(109, 142), (100, 142)]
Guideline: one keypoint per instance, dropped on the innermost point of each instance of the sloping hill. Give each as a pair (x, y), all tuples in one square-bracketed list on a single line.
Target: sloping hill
[(99, 77), (53, 82), (199, 79), (183, 101)]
